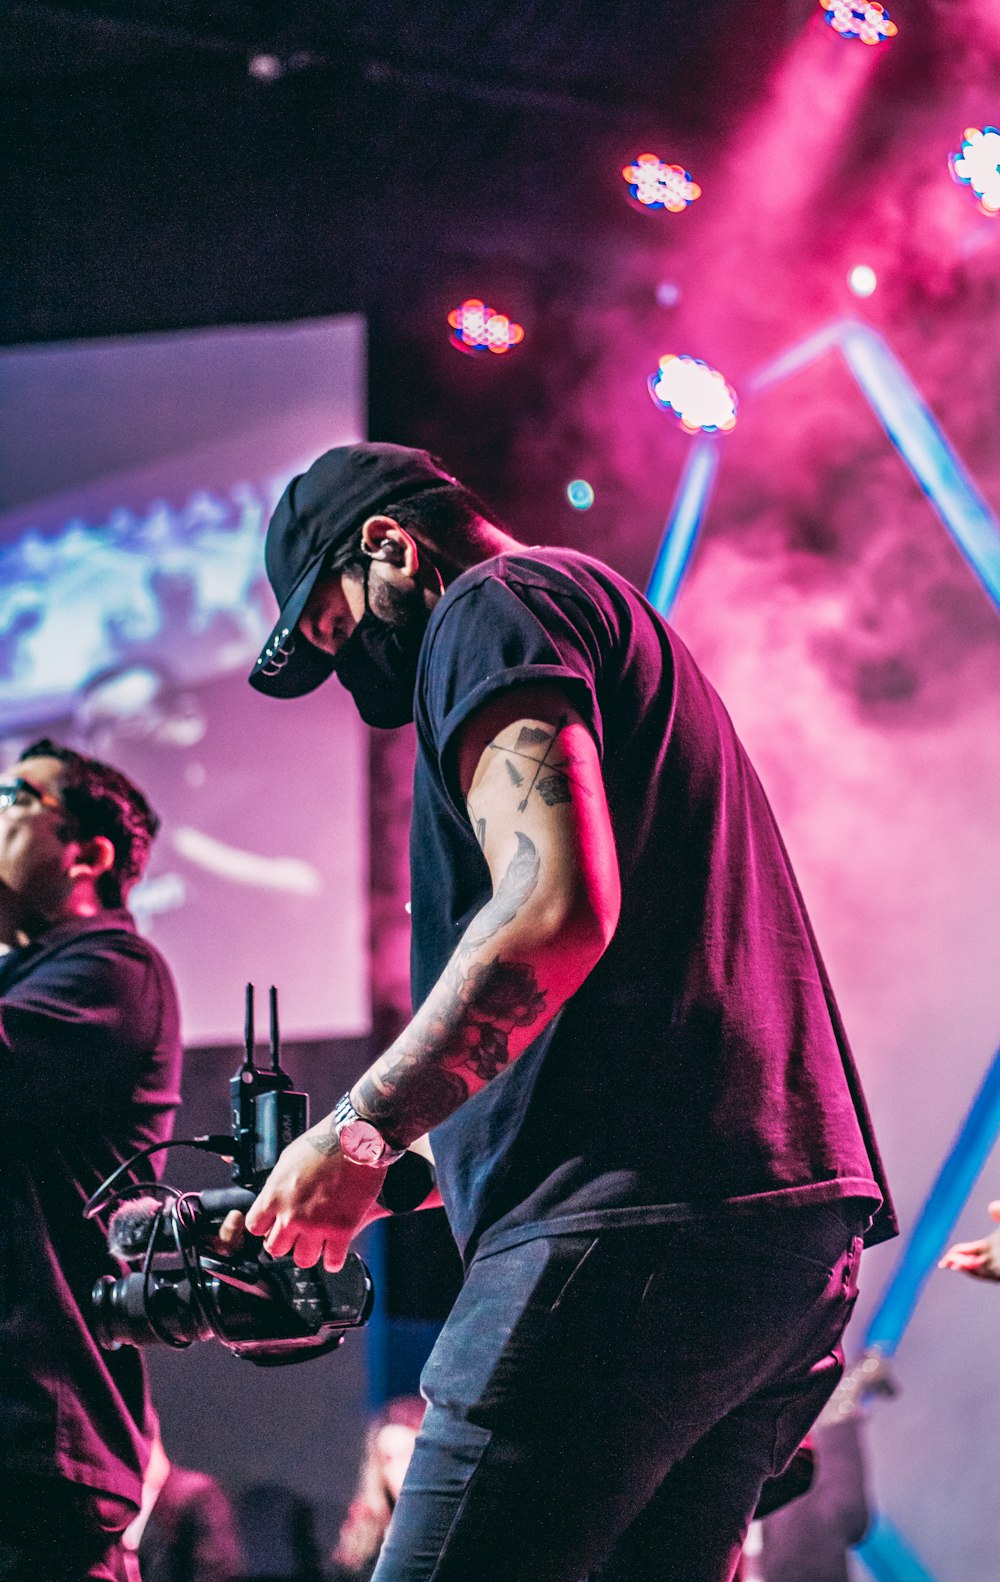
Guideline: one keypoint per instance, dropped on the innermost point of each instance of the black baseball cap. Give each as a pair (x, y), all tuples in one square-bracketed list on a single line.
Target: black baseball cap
[(318, 511)]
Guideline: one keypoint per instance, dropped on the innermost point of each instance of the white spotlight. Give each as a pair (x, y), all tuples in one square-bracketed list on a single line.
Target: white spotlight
[(862, 280)]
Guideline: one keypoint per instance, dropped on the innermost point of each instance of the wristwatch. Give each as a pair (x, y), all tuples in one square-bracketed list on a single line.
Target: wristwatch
[(361, 1141)]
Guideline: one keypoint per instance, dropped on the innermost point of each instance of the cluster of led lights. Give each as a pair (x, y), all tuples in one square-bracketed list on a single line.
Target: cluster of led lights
[(868, 23), (477, 328), (977, 165), (653, 184), (697, 395)]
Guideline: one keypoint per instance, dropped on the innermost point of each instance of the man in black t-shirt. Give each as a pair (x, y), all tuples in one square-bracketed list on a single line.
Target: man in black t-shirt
[(649, 1134), (89, 1074)]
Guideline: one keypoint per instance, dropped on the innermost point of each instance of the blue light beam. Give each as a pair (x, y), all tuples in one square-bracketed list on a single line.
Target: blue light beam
[(913, 430), (945, 1201), (886, 1554), (922, 445), (682, 526), (909, 425)]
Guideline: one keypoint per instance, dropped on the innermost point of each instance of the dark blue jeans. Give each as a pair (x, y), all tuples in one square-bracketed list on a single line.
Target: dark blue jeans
[(609, 1405)]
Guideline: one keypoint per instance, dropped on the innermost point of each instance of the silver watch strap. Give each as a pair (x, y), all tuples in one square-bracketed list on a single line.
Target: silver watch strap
[(344, 1114)]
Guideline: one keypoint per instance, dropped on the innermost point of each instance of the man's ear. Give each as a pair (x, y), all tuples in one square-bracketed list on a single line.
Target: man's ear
[(383, 539), (95, 856)]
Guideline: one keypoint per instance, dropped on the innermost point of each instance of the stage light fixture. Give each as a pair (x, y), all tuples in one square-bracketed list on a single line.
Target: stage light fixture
[(477, 328), (579, 494), (653, 184), (862, 280), (977, 165), (697, 395), (868, 23)]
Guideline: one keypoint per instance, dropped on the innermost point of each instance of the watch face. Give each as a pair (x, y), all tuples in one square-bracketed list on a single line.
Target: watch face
[(361, 1143)]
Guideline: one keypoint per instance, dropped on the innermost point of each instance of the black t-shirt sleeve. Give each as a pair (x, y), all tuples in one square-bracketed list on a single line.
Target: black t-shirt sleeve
[(495, 637), (73, 1030)]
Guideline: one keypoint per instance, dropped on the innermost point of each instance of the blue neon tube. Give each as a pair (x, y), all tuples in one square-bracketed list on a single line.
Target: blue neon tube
[(918, 438), (682, 526), (945, 1202), (887, 1555)]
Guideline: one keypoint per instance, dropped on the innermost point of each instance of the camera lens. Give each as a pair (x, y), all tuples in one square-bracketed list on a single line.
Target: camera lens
[(132, 1312)]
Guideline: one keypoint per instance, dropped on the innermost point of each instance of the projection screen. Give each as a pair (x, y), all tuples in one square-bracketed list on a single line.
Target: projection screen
[(136, 480)]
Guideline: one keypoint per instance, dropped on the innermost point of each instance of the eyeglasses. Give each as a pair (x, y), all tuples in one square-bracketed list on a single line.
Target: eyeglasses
[(16, 791)]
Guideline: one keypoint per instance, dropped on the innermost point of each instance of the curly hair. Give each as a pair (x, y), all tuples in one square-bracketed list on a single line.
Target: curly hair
[(102, 801)]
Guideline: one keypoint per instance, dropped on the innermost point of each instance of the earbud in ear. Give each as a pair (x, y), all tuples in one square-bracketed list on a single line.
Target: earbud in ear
[(393, 554)]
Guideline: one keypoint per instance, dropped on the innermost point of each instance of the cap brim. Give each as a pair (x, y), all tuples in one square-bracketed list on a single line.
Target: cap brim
[(288, 666)]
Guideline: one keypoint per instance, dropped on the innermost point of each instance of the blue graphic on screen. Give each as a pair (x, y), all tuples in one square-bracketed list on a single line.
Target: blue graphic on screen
[(137, 478), (176, 593)]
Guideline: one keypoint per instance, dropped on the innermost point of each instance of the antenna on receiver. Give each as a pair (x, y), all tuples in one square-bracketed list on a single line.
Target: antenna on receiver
[(248, 1030), (275, 1035)]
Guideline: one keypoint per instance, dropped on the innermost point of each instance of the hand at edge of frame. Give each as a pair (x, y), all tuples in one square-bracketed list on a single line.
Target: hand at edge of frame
[(981, 1259)]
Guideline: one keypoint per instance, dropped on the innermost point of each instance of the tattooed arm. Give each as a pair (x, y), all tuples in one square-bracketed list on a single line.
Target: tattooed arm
[(530, 773), (531, 776)]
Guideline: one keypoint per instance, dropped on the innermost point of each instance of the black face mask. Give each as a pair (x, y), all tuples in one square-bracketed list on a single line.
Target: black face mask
[(378, 666)]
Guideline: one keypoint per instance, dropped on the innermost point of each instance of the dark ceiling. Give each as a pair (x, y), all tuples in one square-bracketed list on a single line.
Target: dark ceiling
[(356, 138), (581, 54)]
